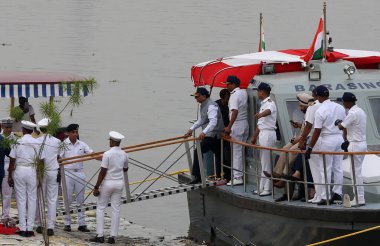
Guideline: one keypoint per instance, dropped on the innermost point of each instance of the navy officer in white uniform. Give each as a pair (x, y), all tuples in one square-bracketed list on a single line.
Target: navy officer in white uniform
[(23, 177), (238, 125), (74, 147), (51, 147), (266, 131), (109, 187), (354, 132), (331, 140)]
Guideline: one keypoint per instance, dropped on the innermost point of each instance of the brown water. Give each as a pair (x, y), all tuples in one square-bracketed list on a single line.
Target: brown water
[(148, 47)]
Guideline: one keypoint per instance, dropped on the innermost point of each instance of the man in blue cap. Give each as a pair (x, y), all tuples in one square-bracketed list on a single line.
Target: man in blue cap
[(266, 131), (238, 126), (212, 125), (331, 140), (354, 134)]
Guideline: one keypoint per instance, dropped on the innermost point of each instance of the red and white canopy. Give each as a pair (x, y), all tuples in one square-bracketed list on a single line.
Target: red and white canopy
[(246, 66)]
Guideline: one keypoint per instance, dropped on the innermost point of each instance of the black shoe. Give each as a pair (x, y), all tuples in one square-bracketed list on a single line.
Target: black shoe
[(29, 234), (97, 239), (67, 228), (39, 230), (84, 229), (284, 197), (50, 232), (336, 198), (21, 233), (195, 181), (322, 202), (111, 240)]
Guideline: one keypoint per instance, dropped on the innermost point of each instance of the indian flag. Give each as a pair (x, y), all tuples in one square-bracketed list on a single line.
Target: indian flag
[(262, 40), (316, 49)]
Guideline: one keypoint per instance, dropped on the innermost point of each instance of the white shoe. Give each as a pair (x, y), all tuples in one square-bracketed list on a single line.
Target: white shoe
[(255, 192), (236, 182), (313, 200), (265, 193), (354, 204)]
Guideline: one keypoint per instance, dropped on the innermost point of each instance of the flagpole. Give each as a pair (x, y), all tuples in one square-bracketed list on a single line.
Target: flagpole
[(261, 33), (325, 32)]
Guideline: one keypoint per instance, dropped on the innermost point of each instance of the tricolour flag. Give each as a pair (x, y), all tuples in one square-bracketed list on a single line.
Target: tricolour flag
[(262, 40), (316, 49)]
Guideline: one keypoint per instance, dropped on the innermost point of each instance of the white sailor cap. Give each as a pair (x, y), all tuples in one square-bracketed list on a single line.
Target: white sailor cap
[(28, 125), (7, 121), (116, 136), (43, 123)]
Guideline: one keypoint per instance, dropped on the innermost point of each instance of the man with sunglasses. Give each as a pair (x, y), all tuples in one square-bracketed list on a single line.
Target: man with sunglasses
[(212, 125)]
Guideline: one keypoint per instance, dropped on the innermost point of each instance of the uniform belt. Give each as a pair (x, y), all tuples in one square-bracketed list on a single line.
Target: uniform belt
[(24, 165), (267, 129), (330, 135), (73, 170)]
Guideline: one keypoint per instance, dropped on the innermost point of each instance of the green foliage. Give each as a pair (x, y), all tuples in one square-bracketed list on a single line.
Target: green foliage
[(40, 169), (49, 110), (8, 143), (16, 113)]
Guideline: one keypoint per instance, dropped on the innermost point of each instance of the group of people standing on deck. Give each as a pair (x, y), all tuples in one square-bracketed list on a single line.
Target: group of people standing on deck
[(326, 128), (20, 154)]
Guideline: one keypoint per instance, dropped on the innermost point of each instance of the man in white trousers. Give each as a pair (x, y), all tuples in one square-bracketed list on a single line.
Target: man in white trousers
[(238, 126), (331, 140), (73, 173), (6, 190), (51, 146), (354, 132), (266, 131), (22, 176), (109, 187)]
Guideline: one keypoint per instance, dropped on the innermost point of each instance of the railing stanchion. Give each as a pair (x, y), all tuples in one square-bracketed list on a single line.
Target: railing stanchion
[(326, 180), (232, 164), (305, 179), (127, 189), (271, 165), (287, 182), (257, 171), (200, 161), (244, 173), (64, 190), (354, 180), (221, 159), (188, 154)]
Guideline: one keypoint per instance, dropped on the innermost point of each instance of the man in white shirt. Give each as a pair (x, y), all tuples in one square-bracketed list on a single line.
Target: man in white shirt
[(266, 131), (331, 139), (51, 147), (28, 113), (109, 187), (238, 126), (22, 176), (211, 122), (73, 173), (354, 133)]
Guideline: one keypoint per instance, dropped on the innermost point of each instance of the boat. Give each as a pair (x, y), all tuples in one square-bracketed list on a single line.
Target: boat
[(232, 215)]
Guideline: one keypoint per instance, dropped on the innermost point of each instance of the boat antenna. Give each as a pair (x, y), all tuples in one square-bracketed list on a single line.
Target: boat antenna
[(324, 31)]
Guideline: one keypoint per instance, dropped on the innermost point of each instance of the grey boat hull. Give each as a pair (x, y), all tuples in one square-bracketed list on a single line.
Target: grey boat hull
[(225, 216)]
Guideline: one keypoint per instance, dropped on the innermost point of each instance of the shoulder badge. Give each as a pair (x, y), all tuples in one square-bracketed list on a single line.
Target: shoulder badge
[(269, 100)]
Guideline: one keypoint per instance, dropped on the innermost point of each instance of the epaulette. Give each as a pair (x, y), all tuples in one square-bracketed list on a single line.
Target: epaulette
[(269, 100)]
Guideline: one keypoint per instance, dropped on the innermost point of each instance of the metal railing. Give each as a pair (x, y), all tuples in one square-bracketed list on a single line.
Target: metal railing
[(257, 175)]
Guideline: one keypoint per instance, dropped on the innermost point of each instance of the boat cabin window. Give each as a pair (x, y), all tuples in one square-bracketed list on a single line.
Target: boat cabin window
[(375, 102), (295, 114)]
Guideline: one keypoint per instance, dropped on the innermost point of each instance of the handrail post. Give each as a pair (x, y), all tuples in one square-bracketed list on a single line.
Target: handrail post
[(326, 180), (287, 182), (64, 190), (271, 165), (244, 173), (305, 179), (221, 159), (354, 180), (188, 154), (232, 164), (257, 171), (127, 189), (200, 162)]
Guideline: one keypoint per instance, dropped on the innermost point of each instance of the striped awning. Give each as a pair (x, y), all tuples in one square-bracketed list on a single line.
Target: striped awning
[(38, 84)]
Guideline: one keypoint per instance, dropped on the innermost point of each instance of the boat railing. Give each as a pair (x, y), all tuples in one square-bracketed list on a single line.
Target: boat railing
[(287, 152)]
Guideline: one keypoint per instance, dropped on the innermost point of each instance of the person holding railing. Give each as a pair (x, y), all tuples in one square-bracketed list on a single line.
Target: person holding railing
[(354, 133), (331, 139), (266, 131), (238, 126), (212, 125)]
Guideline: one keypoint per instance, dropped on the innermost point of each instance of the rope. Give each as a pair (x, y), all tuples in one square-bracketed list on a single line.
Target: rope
[(345, 236)]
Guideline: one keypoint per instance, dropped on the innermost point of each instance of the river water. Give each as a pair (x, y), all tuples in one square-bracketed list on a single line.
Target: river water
[(141, 52)]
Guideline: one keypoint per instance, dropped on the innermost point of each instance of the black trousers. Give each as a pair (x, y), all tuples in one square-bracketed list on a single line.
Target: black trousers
[(207, 144)]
